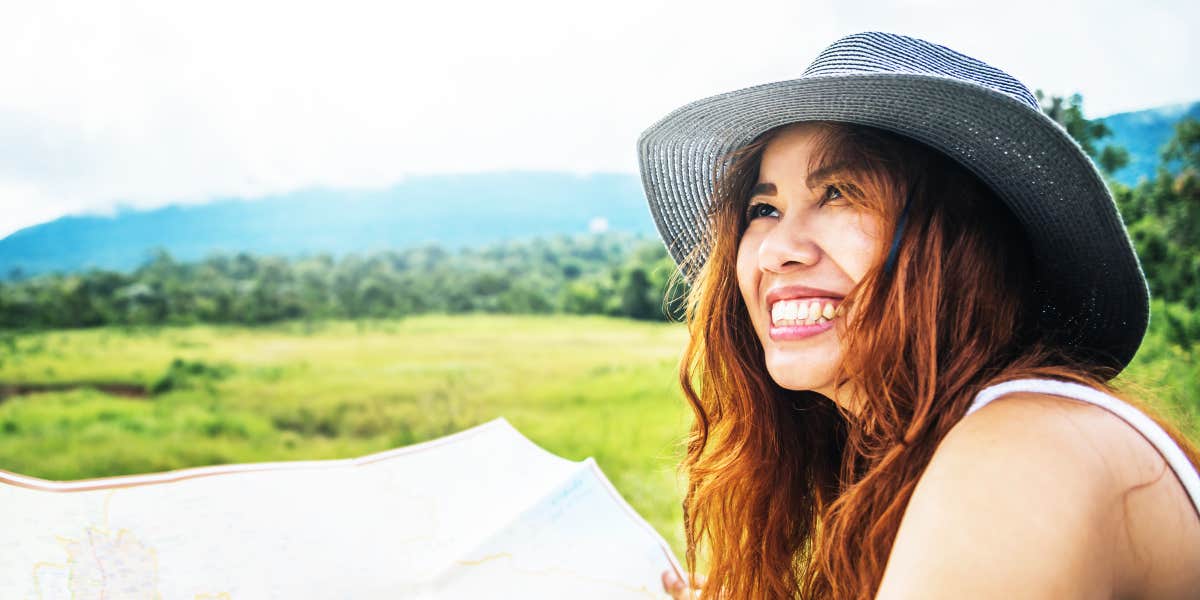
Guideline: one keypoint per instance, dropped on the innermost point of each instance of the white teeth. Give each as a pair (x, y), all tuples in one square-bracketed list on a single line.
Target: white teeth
[(802, 312)]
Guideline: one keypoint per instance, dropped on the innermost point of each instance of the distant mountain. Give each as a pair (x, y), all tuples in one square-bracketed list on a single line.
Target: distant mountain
[(451, 210), (1143, 133)]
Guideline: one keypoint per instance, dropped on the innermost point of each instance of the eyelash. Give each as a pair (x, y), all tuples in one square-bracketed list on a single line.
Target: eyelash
[(825, 199)]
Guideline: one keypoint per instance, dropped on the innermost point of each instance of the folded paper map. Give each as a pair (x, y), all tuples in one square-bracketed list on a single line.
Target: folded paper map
[(483, 513)]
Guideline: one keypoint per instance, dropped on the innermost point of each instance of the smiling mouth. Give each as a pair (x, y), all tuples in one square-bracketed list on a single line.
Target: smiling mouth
[(804, 312)]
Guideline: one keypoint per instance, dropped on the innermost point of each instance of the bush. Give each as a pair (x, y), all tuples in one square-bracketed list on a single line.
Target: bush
[(183, 374)]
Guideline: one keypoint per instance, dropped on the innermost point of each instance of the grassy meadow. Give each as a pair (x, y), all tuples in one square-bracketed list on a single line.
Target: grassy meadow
[(128, 400), (578, 386)]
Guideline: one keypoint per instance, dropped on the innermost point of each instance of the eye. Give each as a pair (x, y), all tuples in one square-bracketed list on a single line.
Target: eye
[(760, 209), (832, 193)]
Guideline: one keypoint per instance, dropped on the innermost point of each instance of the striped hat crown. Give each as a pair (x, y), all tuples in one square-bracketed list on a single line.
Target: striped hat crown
[(877, 52)]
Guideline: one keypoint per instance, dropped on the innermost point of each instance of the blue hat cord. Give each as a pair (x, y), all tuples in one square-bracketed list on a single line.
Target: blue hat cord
[(891, 259)]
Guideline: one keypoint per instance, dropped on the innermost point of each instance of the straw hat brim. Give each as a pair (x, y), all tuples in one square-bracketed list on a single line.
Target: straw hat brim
[(1092, 287)]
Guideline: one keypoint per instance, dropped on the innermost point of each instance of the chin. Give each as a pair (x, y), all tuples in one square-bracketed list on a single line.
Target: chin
[(813, 371)]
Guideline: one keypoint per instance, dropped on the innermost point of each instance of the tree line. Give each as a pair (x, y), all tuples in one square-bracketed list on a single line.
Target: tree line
[(610, 274)]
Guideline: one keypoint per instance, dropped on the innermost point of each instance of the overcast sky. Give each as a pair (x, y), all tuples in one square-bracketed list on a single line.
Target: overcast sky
[(151, 103)]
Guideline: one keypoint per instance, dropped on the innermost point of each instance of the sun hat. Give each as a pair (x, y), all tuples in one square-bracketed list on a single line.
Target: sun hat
[(1094, 297)]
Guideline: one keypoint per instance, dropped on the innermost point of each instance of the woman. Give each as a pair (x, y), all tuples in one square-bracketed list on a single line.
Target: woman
[(878, 249)]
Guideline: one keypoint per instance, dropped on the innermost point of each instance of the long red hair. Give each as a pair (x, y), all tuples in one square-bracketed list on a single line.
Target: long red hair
[(788, 494)]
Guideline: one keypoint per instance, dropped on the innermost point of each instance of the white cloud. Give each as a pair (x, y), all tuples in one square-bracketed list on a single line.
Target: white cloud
[(146, 103)]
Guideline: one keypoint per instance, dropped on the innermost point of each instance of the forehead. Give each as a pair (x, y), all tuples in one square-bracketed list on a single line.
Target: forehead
[(791, 152), (799, 154)]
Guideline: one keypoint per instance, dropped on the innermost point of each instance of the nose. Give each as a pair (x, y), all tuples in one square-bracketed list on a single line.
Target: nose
[(788, 245)]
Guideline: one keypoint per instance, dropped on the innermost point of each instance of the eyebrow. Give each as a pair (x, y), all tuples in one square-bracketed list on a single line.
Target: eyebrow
[(763, 189), (813, 180), (824, 173)]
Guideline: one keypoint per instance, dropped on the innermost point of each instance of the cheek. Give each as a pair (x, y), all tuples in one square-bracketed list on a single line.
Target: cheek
[(860, 244), (747, 269)]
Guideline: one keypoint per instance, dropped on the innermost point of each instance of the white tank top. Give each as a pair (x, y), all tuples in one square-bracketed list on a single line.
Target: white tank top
[(1150, 430)]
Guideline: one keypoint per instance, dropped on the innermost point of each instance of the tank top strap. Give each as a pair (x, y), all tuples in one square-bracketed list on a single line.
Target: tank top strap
[(1170, 451)]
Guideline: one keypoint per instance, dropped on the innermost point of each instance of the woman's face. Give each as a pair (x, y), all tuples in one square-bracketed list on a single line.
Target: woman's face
[(804, 248)]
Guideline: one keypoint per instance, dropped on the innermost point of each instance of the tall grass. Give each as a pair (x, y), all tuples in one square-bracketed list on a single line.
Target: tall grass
[(1165, 374)]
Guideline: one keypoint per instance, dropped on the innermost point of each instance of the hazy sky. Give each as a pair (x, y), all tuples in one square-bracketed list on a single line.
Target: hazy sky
[(150, 103)]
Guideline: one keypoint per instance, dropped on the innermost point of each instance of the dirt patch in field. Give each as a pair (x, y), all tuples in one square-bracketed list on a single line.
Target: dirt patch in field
[(128, 390)]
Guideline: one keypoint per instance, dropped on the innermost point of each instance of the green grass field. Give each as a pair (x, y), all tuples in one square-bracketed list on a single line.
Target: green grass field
[(578, 386)]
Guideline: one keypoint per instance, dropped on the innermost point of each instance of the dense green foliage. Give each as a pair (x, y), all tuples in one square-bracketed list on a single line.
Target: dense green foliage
[(1163, 215), (611, 274)]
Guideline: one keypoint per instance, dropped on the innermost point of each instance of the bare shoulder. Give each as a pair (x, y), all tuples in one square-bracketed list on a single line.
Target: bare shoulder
[(1039, 496), (1044, 436)]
